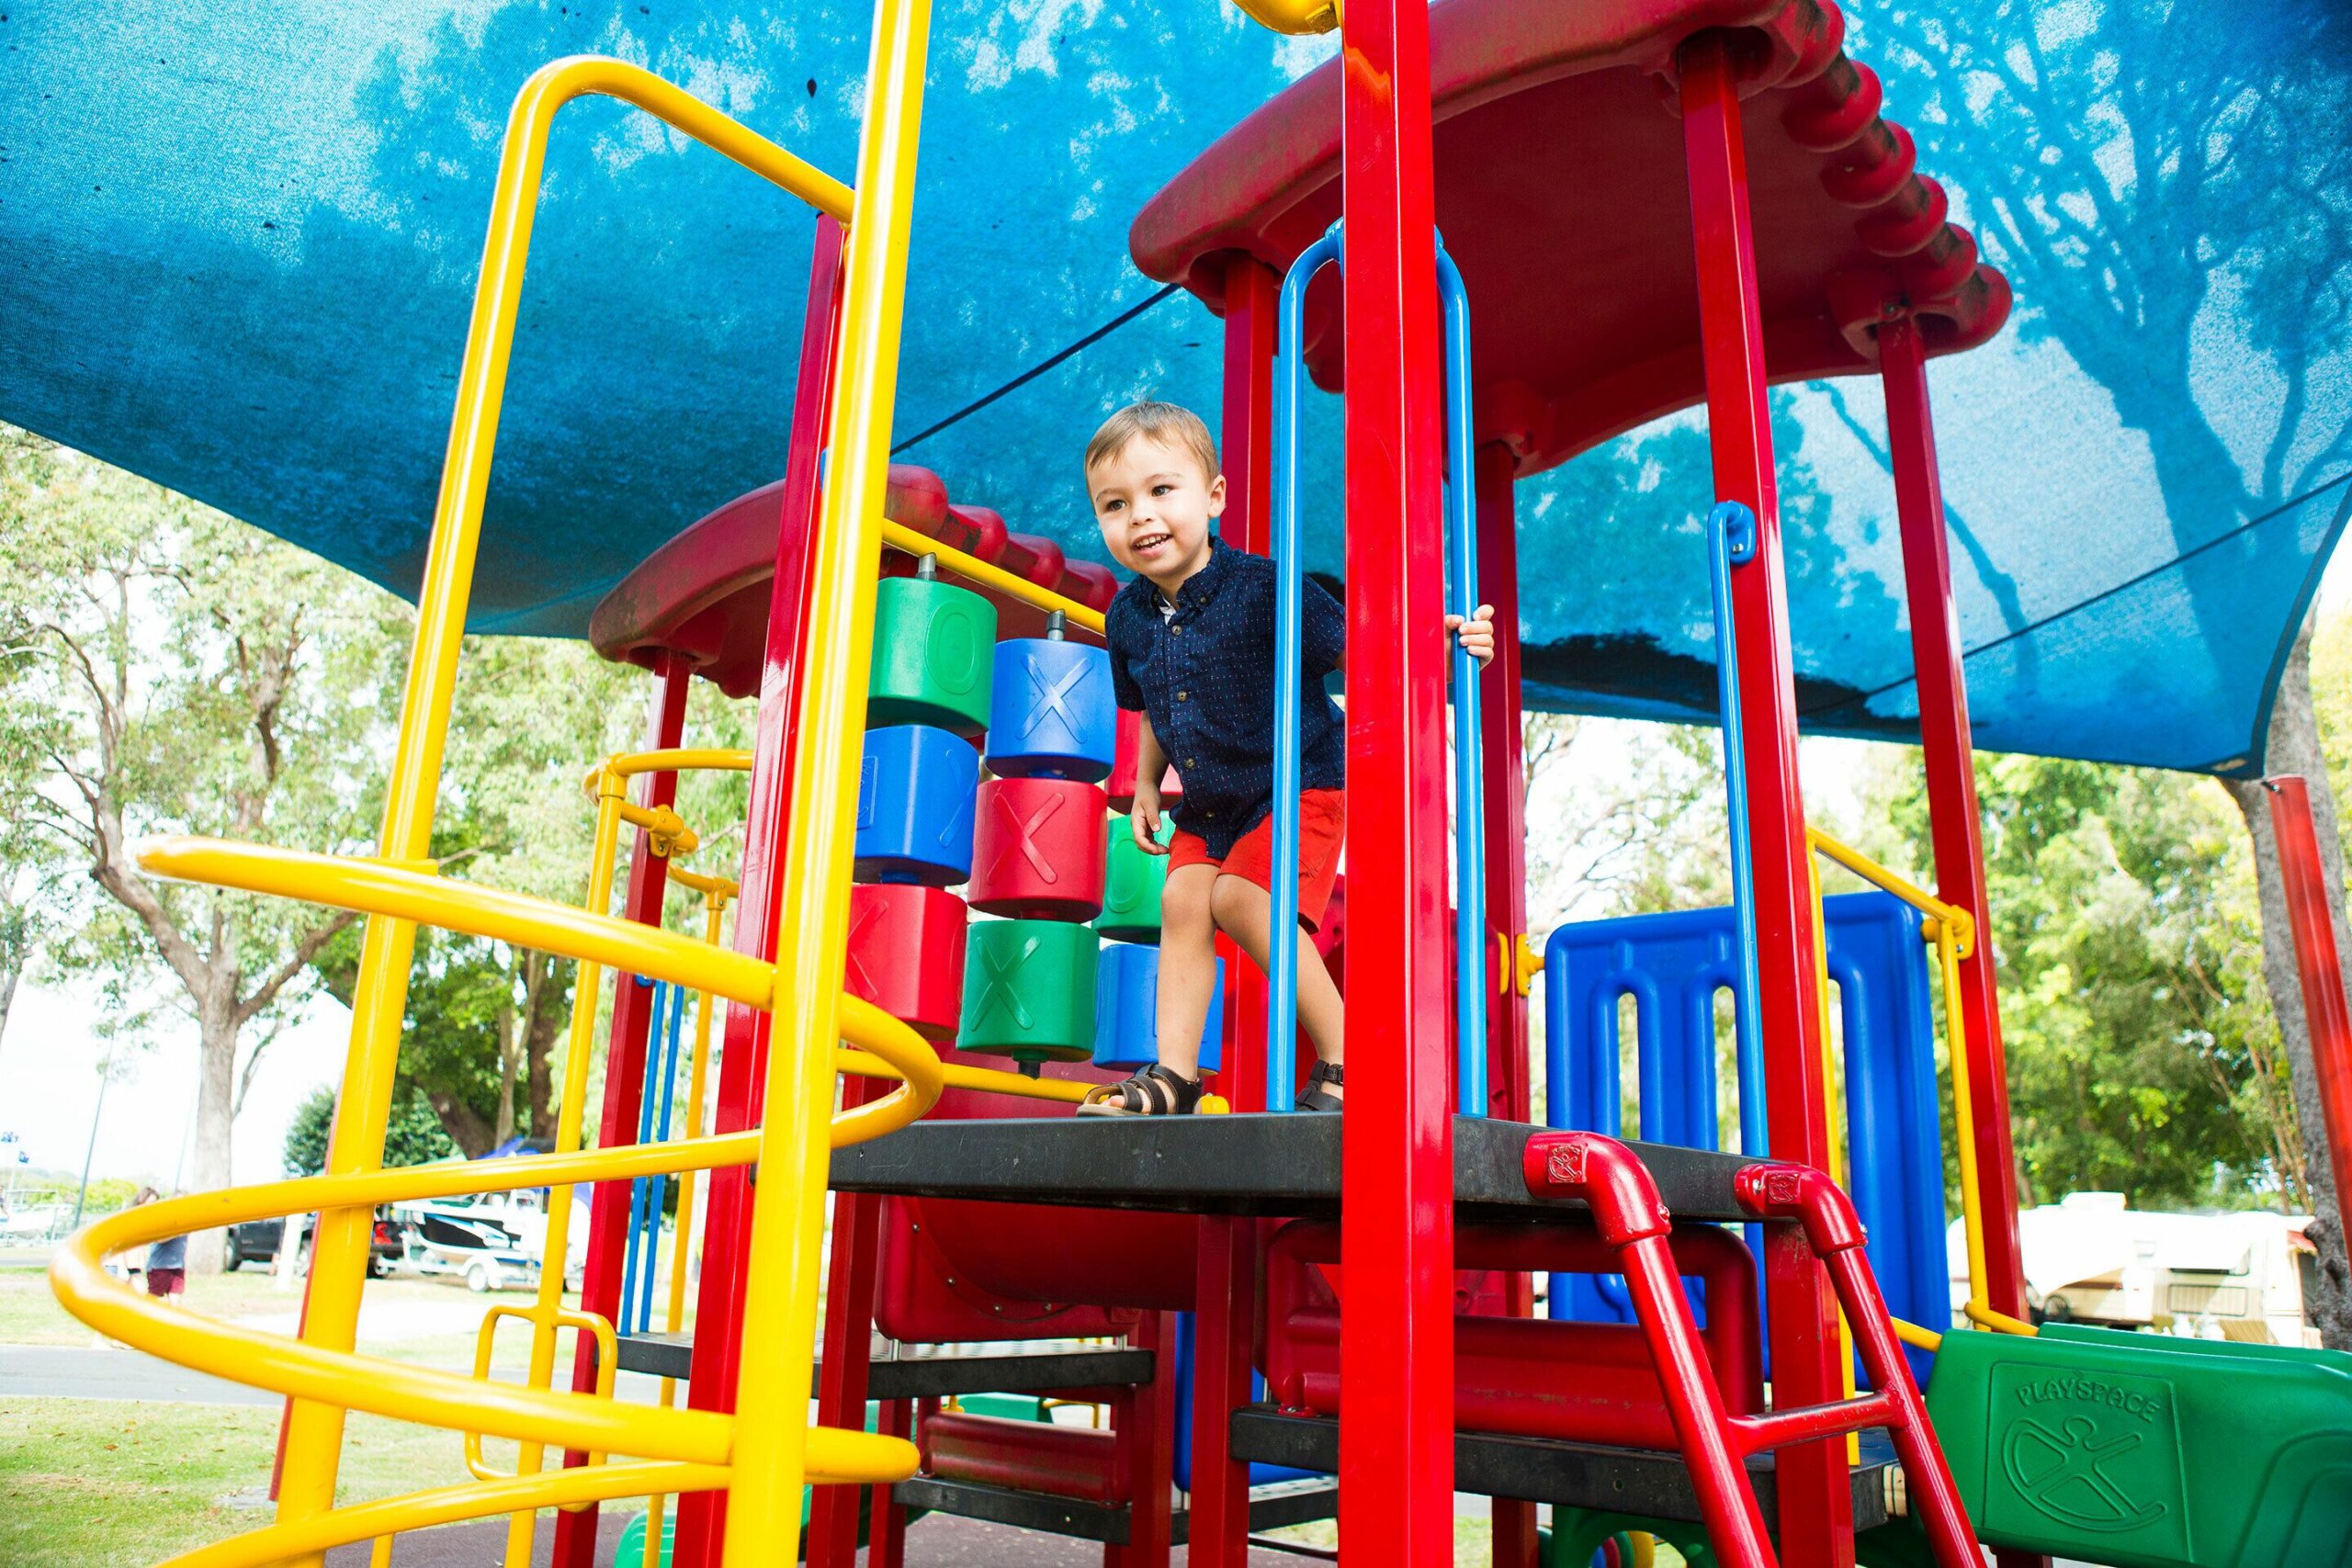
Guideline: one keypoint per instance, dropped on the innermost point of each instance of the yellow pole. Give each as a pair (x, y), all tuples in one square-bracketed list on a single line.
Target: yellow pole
[(789, 1211), (714, 903), (379, 998), (587, 984)]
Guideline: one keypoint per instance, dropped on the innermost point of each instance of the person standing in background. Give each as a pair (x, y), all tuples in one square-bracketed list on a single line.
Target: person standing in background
[(166, 1259)]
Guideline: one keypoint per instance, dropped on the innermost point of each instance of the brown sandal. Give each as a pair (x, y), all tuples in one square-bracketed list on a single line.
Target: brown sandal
[(1154, 1090), (1322, 1073)]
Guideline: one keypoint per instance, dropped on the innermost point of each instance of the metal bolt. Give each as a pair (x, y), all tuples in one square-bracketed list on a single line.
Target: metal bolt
[(927, 569)]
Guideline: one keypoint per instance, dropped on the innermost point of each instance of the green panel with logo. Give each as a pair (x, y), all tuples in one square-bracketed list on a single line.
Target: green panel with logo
[(2146, 1451)]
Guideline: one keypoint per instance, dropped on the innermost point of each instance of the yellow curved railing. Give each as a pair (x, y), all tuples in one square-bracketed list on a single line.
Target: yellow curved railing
[(1951, 931), (764, 1452)]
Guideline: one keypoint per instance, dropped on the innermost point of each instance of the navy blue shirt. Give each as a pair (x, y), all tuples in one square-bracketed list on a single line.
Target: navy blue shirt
[(1205, 679)]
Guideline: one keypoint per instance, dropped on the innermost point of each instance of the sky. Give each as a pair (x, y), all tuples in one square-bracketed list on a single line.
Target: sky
[(48, 1085)]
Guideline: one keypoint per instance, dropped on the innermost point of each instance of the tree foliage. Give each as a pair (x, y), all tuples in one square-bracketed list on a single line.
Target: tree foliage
[(2143, 1054), (412, 1135), (174, 670)]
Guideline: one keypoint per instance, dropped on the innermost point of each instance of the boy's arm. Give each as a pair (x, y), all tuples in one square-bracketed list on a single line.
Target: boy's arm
[(1323, 630), (1151, 766)]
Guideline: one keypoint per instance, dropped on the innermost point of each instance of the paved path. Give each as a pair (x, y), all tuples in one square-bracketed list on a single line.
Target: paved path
[(66, 1371)]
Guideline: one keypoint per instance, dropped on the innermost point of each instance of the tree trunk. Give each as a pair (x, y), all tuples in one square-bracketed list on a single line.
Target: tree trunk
[(215, 1113), (543, 1027), (7, 994), (467, 1128), (2292, 747)]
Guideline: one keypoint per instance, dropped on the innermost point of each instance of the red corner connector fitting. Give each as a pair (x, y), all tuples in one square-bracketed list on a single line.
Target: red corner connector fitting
[(1606, 1176), (1800, 1193)]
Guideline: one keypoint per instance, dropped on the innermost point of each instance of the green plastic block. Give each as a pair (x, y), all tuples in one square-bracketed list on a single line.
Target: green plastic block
[(935, 655), (2146, 1451), (1132, 883), (1029, 990)]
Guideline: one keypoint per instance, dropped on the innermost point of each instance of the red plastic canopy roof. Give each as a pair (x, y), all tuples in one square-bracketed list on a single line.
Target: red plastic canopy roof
[(704, 595), (1561, 197)]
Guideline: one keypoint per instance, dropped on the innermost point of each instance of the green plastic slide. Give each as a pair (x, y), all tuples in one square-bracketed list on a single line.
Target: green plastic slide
[(2146, 1451)]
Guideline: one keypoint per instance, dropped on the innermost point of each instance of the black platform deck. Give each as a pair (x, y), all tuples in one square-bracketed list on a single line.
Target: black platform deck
[(1582, 1476), (933, 1377), (1226, 1165), (1293, 1503)]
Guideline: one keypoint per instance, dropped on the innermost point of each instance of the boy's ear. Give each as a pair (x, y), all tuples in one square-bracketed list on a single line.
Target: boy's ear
[(1216, 496)]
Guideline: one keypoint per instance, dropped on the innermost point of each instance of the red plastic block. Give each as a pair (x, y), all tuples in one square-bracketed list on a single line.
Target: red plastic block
[(1121, 785), (1037, 850), (906, 955)]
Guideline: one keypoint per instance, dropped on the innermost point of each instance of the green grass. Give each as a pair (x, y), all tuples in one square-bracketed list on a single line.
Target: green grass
[(91, 1483)]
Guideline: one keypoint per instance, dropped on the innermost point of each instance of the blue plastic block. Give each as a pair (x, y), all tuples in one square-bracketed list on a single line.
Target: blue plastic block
[(1126, 1009), (914, 806), (1052, 714)]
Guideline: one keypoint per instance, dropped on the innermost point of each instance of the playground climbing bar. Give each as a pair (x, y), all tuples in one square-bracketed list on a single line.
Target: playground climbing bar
[(1809, 1366), (1935, 657), (2310, 915), (1397, 1406)]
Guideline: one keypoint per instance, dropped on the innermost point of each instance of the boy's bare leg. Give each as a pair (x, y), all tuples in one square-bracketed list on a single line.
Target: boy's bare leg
[(1187, 966), (1244, 911)]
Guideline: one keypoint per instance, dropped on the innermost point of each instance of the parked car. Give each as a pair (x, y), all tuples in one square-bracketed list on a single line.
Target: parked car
[(256, 1241), (491, 1240)]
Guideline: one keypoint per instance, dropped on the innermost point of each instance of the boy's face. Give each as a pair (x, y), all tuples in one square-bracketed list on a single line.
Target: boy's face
[(1154, 505)]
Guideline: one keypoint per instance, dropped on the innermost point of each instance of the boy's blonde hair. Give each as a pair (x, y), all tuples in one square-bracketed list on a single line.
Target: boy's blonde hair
[(1166, 422)]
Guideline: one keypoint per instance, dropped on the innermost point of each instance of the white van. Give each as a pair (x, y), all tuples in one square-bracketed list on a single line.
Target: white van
[(2090, 1257)]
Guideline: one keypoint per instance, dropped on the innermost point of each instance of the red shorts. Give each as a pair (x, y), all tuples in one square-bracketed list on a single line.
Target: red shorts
[(166, 1281), (1322, 827)]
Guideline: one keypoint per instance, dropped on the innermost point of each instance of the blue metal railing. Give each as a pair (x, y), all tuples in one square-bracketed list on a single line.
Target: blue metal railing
[(649, 1195), (1731, 541), (1462, 598), (1469, 791)]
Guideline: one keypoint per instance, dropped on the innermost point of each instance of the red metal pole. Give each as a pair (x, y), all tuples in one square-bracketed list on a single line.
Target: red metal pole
[(608, 1202), (1150, 1444), (1225, 1302), (844, 1362), (2310, 912), (1954, 821), (1397, 1366), (743, 1059), (1834, 1232), (1509, 1091), (888, 1535), (1952, 816), (1816, 1500), (1632, 1220)]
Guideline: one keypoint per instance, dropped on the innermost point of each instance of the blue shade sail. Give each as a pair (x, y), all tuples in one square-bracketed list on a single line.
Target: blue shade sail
[(237, 241)]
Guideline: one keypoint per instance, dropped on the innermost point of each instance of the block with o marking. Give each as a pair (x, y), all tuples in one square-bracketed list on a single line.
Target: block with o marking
[(1132, 883), (935, 659), (1037, 849), (915, 789), (1029, 990), (1052, 714)]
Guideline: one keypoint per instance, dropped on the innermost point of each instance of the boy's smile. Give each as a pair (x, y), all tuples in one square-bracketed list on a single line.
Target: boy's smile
[(1154, 506)]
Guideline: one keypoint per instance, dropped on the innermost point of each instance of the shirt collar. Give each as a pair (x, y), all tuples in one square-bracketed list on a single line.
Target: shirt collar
[(1201, 587)]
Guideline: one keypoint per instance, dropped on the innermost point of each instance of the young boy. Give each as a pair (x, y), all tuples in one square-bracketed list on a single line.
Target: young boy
[(1192, 649)]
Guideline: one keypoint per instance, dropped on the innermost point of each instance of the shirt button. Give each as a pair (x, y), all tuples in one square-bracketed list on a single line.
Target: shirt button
[(1191, 761), (1180, 696), (1176, 631)]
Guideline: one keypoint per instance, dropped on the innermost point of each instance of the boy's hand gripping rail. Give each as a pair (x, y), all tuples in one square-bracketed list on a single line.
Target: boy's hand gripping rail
[(1611, 1180), (1461, 599)]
